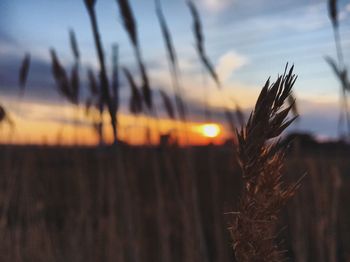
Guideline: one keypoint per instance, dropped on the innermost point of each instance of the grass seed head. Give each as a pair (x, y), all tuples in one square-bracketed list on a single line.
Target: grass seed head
[(333, 12), (253, 227), (74, 45), (135, 104), (90, 4), (198, 32), (23, 73), (128, 20), (168, 105)]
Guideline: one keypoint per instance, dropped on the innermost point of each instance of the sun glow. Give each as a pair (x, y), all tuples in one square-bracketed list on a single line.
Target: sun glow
[(210, 130), (36, 124)]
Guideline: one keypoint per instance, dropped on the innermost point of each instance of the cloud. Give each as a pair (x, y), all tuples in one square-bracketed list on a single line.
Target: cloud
[(299, 18), (216, 5), (344, 13), (228, 63), (311, 17)]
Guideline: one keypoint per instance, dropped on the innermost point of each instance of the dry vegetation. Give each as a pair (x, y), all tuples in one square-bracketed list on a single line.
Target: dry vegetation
[(165, 202), (71, 204), (253, 229)]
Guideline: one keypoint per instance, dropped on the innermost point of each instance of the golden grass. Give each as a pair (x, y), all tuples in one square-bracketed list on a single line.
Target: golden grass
[(253, 228)]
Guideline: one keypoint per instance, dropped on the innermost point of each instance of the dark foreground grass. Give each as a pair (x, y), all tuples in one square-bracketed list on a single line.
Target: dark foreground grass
[(86, 204)]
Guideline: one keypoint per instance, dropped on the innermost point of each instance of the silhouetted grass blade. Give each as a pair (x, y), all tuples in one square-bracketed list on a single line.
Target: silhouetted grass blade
[(198, 32), (135, 104), (23, 73), (168, 105)]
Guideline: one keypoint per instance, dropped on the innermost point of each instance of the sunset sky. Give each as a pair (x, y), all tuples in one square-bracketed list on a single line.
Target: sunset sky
[(247, 41)]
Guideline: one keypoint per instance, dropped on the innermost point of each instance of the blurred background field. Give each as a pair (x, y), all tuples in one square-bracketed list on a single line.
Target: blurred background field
[(87, 204)]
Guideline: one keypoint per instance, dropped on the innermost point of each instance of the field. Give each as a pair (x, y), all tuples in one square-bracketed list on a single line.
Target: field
[(122, 152), (151, 204)]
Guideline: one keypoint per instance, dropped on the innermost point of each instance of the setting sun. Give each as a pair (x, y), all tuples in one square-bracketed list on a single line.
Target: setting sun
[(210, 130)]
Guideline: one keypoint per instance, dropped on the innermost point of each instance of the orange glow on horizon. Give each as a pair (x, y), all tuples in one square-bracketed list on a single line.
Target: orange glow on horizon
[(40, 127)]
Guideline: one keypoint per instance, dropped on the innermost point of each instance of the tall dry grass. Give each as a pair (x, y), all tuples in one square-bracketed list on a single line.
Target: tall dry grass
[(23, 73), (339, 67), (131, 29), (173, 63), (105, 93), (253, 226)]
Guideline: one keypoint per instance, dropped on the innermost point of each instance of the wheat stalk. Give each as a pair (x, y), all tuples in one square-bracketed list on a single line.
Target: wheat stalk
[(339, 66), (115, 76), (135, 103), (131, 29), (253, 227), (4, 117), (105, 94), (199, 37), (115, 86), (74, 45), (173, 61), (168, 105), (23, 72)]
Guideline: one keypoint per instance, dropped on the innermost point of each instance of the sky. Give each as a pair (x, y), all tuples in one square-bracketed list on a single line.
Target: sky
[(247, 41)]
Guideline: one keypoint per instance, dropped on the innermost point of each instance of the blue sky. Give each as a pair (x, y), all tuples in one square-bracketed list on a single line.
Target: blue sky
[(247, 41)]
